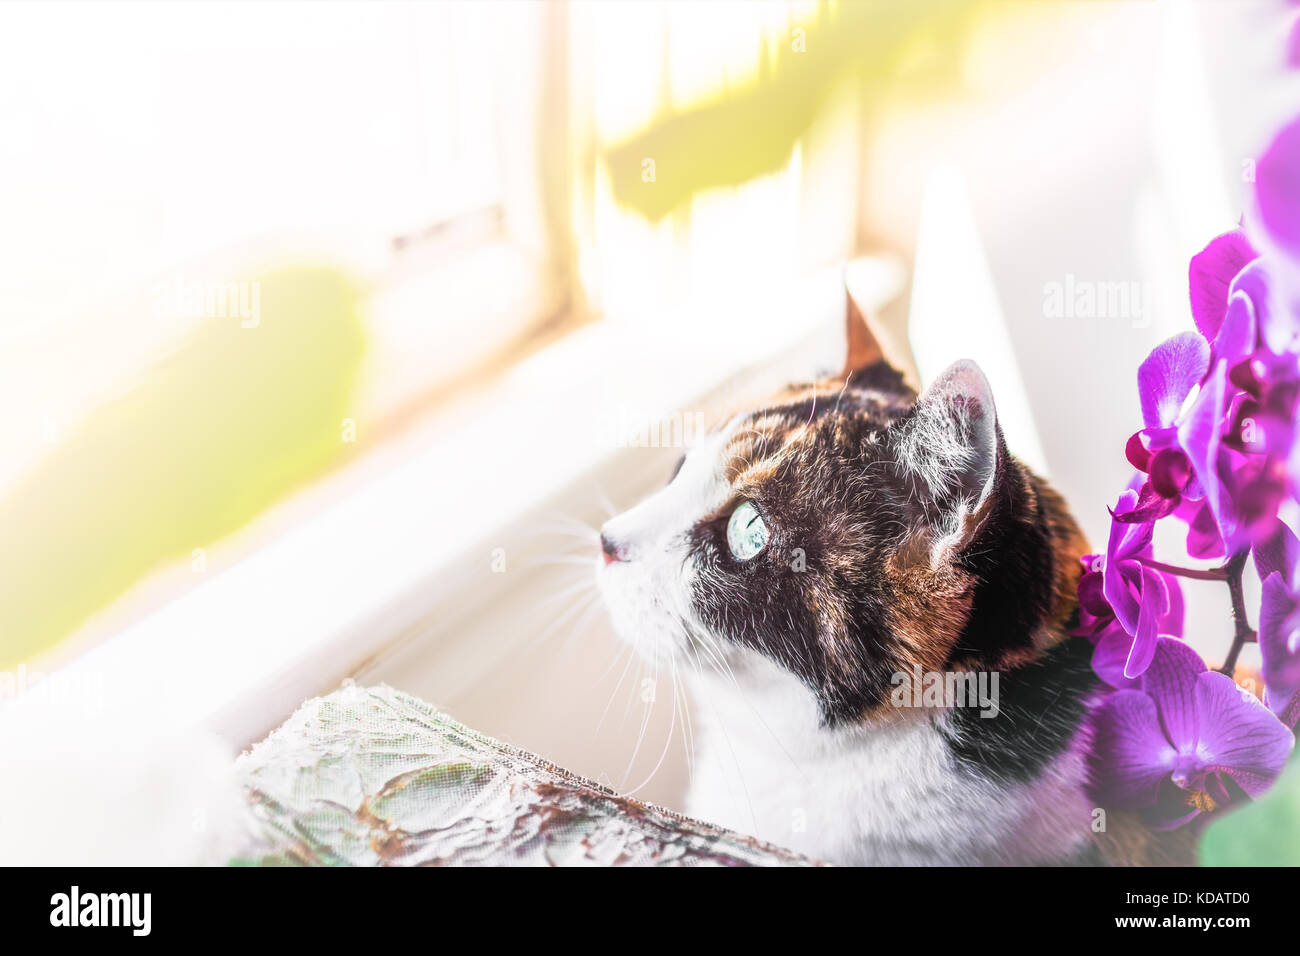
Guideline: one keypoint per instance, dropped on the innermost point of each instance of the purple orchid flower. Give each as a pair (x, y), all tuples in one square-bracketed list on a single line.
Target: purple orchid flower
[(1277, 192), (1218, 449), (1238, 430), (1209, 275), (1273, 381), (1113, 646), (1278, 563), (1165, 379), (1183, 742), (1109, 658), (1219, 408), (1137, 594), (1258, 389), (1279, 646), (1274, 224), (1098, 623), (1203, 538)]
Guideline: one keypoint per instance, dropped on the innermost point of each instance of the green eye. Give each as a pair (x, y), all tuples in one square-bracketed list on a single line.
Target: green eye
[(746, 532)]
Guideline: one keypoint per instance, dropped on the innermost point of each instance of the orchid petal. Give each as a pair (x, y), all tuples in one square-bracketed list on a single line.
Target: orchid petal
[(1151, 506), (1279, 552), (1256, 282), (1239, 735), (1171, 622), (1118, 589), (1170, 680), (1154, 603), (1199, 436), (1280, 656), (1168, 374), (1127, 541), (1130, 756), (1203, 538), (1169, 471), (1136, 452), (1209, 275), (1277, 189), (1114, 585), (1091, 598), (1109, 658), (1236, 340)]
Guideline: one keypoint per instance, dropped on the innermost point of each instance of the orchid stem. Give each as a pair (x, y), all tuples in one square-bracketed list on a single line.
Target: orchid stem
[(1210, 574), (1243, 633)]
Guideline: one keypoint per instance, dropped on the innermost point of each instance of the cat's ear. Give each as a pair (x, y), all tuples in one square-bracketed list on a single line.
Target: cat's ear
[(952, 446), (866, 342), (862, 347)]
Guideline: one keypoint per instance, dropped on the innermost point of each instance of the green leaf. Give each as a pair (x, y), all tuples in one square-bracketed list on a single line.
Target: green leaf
[(1265, 833)]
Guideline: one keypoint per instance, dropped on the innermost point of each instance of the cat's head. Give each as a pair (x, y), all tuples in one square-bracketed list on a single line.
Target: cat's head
[(847, 530)]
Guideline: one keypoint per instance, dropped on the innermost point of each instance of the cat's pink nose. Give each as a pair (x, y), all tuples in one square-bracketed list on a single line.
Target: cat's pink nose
[(609, 550)]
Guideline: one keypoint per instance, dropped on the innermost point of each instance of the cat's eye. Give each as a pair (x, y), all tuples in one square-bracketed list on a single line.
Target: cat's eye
[(746, 531)]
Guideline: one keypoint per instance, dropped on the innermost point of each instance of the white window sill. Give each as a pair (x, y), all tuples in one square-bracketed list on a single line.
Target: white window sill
[(400, 560)]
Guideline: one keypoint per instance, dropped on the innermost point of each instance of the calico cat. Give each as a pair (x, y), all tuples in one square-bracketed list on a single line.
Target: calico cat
[(814, 557)]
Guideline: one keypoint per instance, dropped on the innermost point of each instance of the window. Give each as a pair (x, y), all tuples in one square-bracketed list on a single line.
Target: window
[(174, 172), (260, 248)]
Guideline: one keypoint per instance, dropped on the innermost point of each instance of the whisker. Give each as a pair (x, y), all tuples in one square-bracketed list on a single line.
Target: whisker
[(631, 656), (645, 722), (688, 730), (579, 607), (672, 726), (582, 626)]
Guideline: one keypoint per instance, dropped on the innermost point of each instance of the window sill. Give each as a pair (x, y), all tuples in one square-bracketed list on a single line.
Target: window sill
[(399, 562)]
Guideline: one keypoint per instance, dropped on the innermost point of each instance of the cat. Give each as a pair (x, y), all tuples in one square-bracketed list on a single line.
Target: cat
[(815, 556)]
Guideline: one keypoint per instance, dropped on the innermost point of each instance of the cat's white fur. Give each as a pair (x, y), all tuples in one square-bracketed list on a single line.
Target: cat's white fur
[(764, 765), (885, 795), (648, 595)]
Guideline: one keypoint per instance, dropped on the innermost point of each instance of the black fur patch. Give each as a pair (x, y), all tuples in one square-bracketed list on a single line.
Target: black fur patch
[(833, 521), (1040, 709), (1014, 562)]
